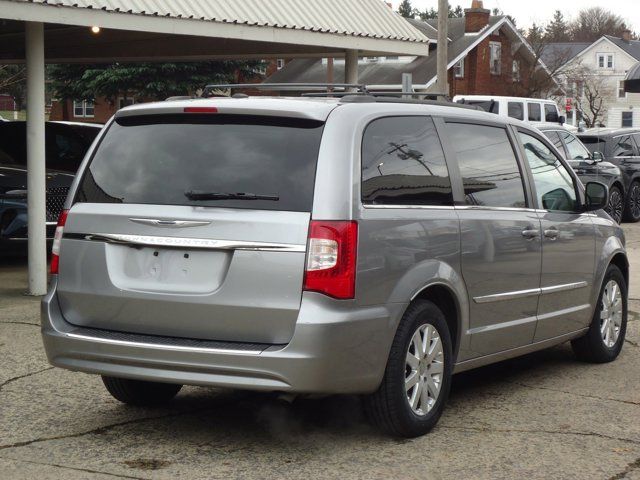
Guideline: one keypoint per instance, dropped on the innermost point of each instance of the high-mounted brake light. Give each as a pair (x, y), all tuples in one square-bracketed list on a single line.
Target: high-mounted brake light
[(200, 110), (331, 258), (57, 238)]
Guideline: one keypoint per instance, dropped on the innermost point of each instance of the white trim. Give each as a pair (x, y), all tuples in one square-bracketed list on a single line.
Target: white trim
[(32, 12)]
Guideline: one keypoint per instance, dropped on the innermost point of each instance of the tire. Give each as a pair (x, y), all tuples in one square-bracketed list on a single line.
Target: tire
[(632, 205), (140, 393), (388, 408), (615, 207), (595, 346)]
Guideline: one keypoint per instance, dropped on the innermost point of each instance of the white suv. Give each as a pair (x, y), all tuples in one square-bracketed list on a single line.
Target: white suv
[(534, 110)]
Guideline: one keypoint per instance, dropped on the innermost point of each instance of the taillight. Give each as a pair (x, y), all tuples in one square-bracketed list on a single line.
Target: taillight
[(331, 259), (57, 238)]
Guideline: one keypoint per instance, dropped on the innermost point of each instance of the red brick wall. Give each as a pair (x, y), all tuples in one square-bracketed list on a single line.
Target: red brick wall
[(478, 79), (63, 110)]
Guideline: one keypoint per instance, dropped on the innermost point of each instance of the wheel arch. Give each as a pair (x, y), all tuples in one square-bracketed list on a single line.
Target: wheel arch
[(444, 297)]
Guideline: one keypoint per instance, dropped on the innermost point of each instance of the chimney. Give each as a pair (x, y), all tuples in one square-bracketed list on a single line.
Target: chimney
[(626, 36), (476, 17)]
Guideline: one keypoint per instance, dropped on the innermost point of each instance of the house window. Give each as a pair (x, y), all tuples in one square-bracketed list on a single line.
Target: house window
[(495, 58), (627, 119), (280, 63), (605, 60), (458, 69), (621, 91), (516, 71), (125, 102), (83, 108)]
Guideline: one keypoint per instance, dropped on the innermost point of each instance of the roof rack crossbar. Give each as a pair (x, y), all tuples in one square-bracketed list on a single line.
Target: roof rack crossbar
[(288, 86)]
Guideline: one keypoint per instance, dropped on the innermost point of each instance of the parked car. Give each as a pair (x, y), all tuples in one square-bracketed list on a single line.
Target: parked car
[(621, 148), (366, 245), (589, 166), (533, 110), (65, 149)]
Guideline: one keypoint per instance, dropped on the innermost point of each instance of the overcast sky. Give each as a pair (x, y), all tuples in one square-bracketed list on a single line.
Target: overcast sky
[(540, 11)]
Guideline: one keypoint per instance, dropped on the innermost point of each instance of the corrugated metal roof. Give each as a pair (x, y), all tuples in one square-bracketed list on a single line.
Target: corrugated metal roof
[(358, 18)]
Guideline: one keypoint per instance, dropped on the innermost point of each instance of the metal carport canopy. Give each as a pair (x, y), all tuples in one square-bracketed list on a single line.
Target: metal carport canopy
[(56, 31)]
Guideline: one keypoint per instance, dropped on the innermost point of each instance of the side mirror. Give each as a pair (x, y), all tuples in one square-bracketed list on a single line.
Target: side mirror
[(597, 156), (562, 119), (597, 196)]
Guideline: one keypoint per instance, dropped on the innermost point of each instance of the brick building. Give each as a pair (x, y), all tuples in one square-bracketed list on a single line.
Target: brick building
[(487, 55)]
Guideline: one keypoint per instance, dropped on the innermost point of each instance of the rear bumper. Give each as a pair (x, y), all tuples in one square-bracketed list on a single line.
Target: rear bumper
[(335, 348)]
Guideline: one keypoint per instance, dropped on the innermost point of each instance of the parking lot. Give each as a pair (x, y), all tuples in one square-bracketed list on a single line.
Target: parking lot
[(541, 416)]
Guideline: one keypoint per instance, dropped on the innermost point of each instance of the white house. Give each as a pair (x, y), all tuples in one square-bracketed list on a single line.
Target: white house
[(603, 63)]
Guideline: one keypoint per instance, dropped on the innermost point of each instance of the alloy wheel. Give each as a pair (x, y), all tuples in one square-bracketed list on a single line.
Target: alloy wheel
[(634, 201), (611, 313), (424, 369), (615, 206)]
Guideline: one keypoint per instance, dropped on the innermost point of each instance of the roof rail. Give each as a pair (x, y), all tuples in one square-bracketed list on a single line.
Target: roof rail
[(282, 87)]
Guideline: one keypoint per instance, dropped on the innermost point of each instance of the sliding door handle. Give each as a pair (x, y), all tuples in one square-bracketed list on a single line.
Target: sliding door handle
[(551, 233), (531, 233)]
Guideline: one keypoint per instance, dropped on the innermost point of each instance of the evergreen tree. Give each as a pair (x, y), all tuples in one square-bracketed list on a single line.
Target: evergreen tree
[(156, 81), (405, 9), (558, 29)]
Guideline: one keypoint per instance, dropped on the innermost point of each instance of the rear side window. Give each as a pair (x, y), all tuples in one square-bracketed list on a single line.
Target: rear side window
[(595, 144), (516, 110), (623, 146), (535, 112), (488, 166), (551, 113), (403, 163), (171, 159)]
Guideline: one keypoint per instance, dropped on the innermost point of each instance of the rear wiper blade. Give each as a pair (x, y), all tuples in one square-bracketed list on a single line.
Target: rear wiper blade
[(197, 195)]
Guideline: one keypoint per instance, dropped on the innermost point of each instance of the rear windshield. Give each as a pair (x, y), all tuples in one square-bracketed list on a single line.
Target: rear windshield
[(490, 106), (594, 144), (165, 159)]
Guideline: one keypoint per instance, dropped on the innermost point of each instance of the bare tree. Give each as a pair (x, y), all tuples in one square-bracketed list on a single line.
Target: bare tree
[(592, 23), (592, 94)]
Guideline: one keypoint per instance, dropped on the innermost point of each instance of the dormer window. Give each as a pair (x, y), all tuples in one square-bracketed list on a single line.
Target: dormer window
[(605, 60)]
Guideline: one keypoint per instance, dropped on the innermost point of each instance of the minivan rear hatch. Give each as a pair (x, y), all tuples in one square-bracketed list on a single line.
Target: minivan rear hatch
[(192, 225)]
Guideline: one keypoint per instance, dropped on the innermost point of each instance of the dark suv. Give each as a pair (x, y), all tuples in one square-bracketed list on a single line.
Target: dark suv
[(589, 166), (622, 148), (65, 146)]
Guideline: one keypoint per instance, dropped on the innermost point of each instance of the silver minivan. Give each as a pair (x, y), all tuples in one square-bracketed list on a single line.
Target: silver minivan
[(363, 245)]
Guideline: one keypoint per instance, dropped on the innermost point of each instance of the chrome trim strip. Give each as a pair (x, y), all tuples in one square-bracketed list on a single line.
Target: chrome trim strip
[(49, 224), (564, 311), (157, 222), (498, 326), (495, 209), (408, 207), (156, 346), (562, 288), (198, 243), (499, 297)]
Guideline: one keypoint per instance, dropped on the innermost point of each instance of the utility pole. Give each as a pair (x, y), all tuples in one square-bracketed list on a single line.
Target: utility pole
[(443, 48)]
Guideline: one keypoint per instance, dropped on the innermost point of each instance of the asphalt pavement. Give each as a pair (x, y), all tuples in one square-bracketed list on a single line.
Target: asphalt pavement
[(545, 415)]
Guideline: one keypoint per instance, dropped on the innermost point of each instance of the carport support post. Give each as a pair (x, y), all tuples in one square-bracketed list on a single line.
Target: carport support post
[(351, 66), (37, 243)]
